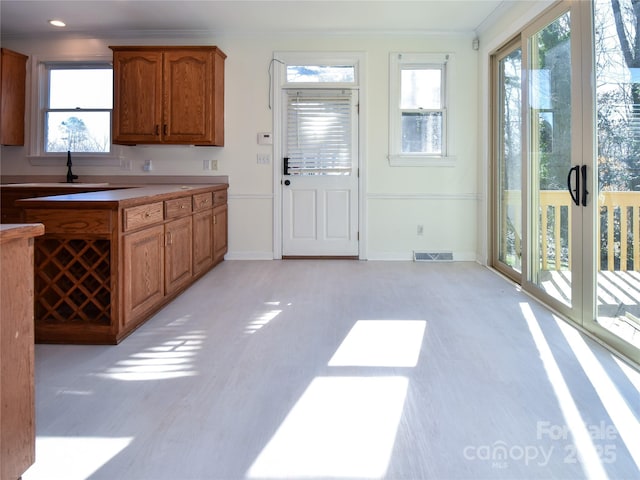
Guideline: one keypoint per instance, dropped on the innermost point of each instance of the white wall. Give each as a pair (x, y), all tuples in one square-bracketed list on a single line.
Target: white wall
[(443, 199)]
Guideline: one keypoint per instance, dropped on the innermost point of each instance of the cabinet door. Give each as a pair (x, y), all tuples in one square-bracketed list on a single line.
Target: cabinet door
[(178, 260), (137, 88), (12, 95), (202, 241), (188, 97), (143, 276), (220, 232)]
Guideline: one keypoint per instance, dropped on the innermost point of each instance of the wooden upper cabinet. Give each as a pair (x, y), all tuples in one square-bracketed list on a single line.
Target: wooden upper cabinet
[(137, 89), (170, 95), (13, 74)]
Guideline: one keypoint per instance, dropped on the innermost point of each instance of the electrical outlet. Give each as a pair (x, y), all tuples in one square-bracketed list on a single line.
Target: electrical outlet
[(420, 230), (125, 164), (210, 164)]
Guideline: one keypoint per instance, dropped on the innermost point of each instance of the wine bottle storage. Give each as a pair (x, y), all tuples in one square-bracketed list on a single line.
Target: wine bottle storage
[(73, 281)]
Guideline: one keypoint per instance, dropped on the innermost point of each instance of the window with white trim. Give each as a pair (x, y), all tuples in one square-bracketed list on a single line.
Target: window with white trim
[(75, 108), (419, 113)]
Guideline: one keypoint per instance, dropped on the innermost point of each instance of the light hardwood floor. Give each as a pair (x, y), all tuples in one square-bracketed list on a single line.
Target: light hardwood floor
[(340, 369)]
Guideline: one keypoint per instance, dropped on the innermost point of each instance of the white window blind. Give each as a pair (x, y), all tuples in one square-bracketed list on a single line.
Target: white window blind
[(319, 132)]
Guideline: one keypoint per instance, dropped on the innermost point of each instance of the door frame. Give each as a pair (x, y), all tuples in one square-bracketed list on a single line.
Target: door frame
[(277, 69)]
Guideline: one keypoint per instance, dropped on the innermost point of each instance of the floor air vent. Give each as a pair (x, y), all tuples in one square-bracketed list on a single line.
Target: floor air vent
[(432, 256)]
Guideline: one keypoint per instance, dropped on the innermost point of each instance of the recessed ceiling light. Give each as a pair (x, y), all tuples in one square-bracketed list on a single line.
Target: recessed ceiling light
[(57, 23)]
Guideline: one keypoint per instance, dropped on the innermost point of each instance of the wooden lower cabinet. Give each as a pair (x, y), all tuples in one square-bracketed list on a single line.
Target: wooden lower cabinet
[(109, 260)]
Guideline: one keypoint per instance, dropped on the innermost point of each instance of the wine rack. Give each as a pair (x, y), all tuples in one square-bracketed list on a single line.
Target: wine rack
[(73, 281)]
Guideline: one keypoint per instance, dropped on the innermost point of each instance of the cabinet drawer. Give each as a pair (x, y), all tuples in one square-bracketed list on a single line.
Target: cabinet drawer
[(202, 201), (144, 215), (177, 207), (219, 197)]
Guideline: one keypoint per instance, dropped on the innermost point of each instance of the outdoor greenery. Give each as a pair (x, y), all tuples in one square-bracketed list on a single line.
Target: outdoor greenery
[(617, 67)]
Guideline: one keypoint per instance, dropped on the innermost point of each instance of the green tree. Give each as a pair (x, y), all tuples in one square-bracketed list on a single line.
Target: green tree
[(75, 137), (627, 24)]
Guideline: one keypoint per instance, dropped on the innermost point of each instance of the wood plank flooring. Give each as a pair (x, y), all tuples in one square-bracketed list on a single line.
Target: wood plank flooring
[(306, 369)]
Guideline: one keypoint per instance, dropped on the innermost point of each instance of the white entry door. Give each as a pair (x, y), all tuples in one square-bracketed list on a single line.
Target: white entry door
[(320, 173)]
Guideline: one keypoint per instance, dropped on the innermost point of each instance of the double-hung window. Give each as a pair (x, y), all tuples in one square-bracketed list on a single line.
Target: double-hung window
[(75, 108), (419, 108)]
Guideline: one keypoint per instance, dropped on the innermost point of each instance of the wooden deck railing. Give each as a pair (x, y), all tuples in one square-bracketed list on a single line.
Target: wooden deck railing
[(619, 227), (623, 232)]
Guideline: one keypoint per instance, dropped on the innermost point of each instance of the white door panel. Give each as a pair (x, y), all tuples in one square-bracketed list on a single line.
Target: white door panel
[(303, 204), (320, 182), (320, 219), (338, 216)]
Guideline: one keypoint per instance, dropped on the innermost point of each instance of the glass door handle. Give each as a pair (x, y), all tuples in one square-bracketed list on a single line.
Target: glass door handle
[(575, 197), (583, 169), (285, 166)]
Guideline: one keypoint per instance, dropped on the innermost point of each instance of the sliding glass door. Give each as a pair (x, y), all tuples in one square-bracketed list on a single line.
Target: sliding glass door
[(507, 66), (617, 202), (567, 166), (551, 119)]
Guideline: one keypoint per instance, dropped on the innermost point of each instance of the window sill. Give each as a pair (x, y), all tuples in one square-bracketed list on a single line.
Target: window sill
[(421, 161)]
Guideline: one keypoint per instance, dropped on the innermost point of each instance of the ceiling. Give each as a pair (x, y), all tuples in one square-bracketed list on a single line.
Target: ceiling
[(114, 18)]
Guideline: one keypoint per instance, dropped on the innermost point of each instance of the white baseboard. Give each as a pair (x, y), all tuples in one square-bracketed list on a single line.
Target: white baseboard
[(374, 256), (249, 256)]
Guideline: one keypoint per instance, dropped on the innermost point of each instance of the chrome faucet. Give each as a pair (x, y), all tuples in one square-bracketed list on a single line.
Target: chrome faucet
[(70, 176)]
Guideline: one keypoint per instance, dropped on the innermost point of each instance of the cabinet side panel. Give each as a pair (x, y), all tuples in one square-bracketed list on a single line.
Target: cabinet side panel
[(218, 99), (17, 430)]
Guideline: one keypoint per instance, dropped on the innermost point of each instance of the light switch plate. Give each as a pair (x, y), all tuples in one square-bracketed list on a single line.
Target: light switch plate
[(264, 158)]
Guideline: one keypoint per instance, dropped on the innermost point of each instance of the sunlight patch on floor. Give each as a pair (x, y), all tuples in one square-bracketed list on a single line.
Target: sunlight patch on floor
[(630, 373), (381, 343), (264, 318), (621, 415), (85, 456), (586, 450), (172, 359), (340, 427)]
